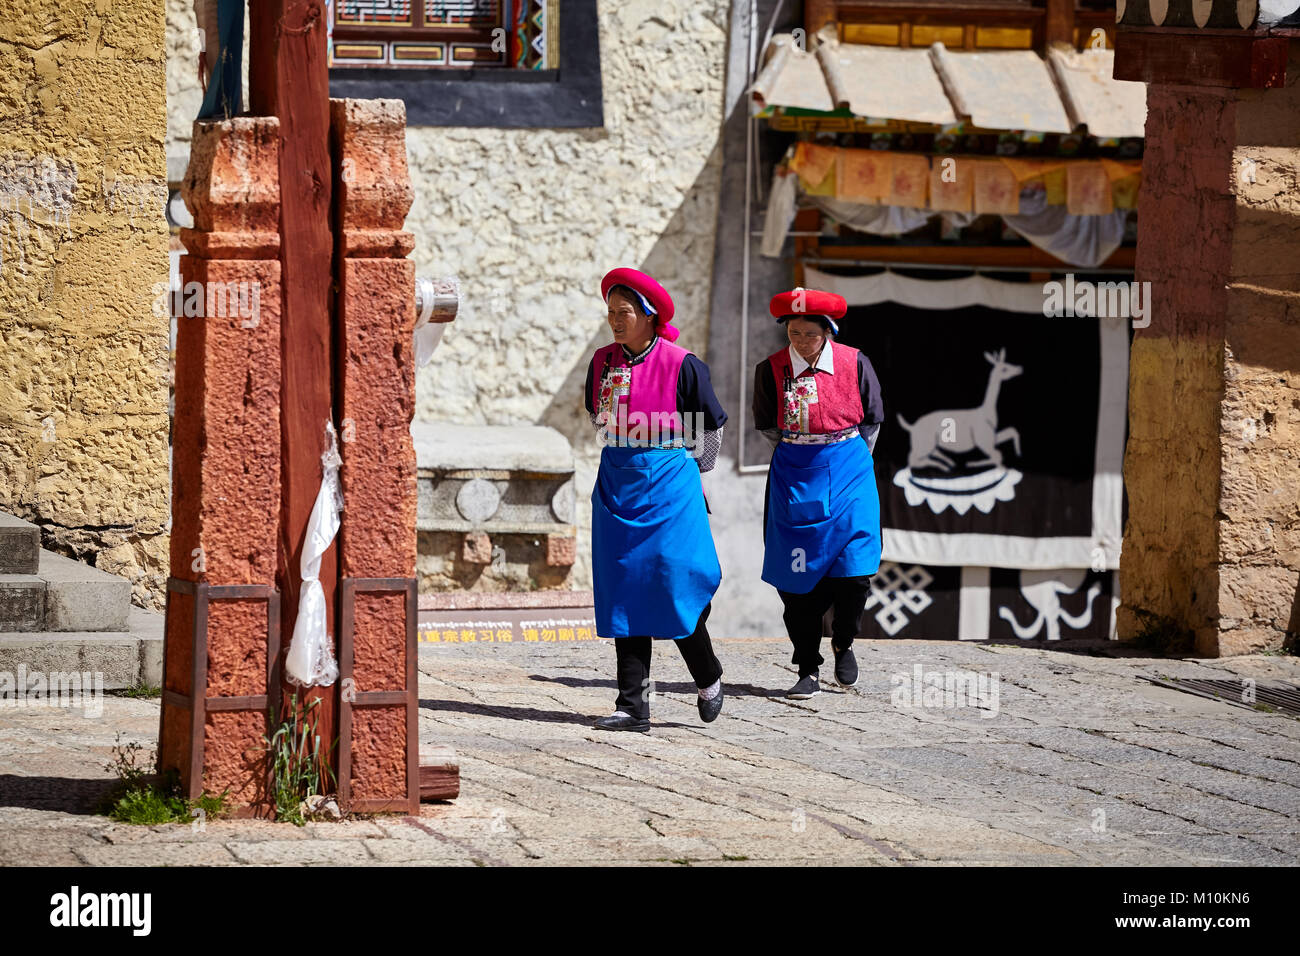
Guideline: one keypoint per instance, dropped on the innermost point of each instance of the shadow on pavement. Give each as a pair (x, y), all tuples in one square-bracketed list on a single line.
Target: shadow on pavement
[(68, 794), (671, 687), (525, 713)]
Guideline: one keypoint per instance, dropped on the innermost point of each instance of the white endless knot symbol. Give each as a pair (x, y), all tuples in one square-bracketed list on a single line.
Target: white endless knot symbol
[(898, 591)]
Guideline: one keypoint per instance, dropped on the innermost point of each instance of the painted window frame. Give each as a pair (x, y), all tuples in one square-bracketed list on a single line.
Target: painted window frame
[(567, 97)]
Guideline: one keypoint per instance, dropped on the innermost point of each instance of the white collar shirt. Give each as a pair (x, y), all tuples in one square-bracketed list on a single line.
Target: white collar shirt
[(825, 361)]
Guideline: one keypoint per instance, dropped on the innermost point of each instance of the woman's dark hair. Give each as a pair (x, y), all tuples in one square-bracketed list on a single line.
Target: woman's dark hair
[(627, 292), (821, 320)]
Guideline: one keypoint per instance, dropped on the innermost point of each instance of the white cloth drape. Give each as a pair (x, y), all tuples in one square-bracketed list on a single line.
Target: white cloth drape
[(780, 213), (1085, 241), (310, 661), (889, 286)]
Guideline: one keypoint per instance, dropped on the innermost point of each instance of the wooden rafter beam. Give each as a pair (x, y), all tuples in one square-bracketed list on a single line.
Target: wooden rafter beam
[(1224, 59)]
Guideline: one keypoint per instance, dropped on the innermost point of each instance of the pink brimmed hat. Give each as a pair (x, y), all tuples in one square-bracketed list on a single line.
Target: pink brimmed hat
[(653, 296)]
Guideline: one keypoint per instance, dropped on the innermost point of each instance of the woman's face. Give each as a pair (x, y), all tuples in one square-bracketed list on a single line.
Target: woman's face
[(806, 336), (629, 326)]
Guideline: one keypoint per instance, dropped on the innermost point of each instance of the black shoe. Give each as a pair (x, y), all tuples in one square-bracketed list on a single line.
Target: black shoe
[(709, 709), (621, 721), (846, 666), (807, 687)]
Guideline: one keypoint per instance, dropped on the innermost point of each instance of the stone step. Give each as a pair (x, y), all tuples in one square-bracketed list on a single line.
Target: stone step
[(20, 545), (64, 595), (125, 658), (81, 598)]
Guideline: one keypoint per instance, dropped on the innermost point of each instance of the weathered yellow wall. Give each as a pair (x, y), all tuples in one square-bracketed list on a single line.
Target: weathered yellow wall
[(1212, 468), (83, 245)]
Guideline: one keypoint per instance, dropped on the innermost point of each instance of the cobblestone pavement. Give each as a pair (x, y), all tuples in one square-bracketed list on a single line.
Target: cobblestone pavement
[(1077, 760)]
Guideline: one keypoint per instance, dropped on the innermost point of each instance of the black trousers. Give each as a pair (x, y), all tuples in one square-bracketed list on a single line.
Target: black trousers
[(804, 612), (634, 665)]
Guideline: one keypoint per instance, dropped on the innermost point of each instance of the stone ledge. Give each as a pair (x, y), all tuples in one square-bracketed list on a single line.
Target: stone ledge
[(444, 447), (474, 600)]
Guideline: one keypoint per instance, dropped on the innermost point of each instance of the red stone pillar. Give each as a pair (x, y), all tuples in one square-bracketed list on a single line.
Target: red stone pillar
[(225, 466), (378, 751)]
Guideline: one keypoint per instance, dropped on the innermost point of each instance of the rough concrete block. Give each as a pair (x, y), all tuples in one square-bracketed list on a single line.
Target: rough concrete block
[(561, 550), (477, 548), (443, 446), (20, 545), (22, 602), (147, 628)]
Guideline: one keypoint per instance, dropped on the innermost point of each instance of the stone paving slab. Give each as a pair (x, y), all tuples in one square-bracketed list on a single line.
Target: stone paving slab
[(161, 854), (1082, 762)]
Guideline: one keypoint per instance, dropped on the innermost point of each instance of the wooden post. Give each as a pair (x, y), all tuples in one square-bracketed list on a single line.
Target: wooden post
[(1059, 26), (289, 78), (816, 14)]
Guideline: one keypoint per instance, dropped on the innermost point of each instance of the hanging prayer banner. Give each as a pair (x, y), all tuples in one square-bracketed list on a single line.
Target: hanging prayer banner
[(1003, 438), (1088, 191), (864, 175), (996, 189), (952, 184), (947, 183), (908, 181), (1005, 605)]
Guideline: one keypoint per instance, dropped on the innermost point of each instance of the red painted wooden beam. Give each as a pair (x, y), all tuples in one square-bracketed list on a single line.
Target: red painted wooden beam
[(1224, 59), (289, 78)]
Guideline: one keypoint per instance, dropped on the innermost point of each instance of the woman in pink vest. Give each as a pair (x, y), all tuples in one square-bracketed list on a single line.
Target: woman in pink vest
[(819, 404), (654, 566)]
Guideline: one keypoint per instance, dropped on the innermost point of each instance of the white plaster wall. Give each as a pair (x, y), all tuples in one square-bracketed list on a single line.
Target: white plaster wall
[(531, 219)]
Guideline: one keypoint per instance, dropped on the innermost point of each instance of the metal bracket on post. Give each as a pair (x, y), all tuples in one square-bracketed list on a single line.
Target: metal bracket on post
[(348, 590), (436, 300), (197, 702)]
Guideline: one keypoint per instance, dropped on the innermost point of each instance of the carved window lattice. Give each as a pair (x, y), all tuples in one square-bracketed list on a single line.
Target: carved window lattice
[(444, 34)]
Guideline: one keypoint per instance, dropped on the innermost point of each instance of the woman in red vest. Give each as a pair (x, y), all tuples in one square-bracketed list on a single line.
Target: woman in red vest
[(819, 404), (654, 566)]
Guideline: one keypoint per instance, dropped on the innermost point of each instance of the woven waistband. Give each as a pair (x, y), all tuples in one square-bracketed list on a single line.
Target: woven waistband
[(621, 441), (828, 438)]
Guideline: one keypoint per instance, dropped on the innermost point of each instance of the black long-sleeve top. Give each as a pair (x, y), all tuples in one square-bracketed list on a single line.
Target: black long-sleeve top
[(767, 407)]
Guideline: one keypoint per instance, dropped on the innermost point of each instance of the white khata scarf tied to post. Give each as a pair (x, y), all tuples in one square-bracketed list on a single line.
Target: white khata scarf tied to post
[(310, 661)]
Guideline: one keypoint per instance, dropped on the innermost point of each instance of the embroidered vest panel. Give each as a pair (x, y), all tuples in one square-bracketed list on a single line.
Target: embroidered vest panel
[(818, 404), (639, 400)]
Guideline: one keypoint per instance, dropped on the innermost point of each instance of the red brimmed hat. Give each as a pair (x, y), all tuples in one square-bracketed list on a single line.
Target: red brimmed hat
[(654, 297), (809, 304)]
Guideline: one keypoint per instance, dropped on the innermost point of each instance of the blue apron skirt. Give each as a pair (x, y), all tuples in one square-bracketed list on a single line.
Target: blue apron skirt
[(654, 566), (823, 515)]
